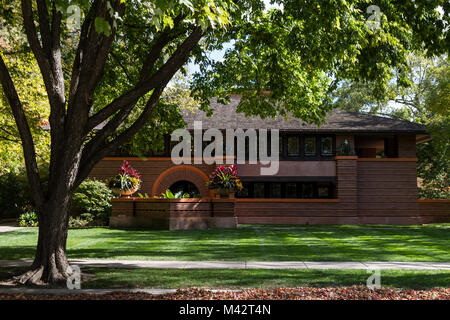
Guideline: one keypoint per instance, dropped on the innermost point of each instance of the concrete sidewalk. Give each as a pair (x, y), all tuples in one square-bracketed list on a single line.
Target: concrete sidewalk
[(5, 227), (136, 264), (82, 291), (96, 291)]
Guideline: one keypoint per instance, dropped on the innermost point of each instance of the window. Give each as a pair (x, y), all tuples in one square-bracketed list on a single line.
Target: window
[(245, 192), (291, 190), (310, 146), (307, 190), (247, 148), (293, 146), (258, 190), (326, 145), (323, 192), (280, 146), (275, 190)]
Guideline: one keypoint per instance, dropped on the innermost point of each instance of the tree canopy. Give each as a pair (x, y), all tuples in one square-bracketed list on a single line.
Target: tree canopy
[(30, 87)]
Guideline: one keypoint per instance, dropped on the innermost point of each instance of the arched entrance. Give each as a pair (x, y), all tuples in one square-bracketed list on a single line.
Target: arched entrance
[(185, 187), (182, 173)]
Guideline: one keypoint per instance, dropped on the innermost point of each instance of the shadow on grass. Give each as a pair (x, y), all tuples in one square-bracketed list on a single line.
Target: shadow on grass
[(115, 278), (248, 242), (259, 278)]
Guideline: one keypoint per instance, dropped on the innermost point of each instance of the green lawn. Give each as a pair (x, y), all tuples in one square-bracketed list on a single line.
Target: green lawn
[(249, 242), (95, 278)]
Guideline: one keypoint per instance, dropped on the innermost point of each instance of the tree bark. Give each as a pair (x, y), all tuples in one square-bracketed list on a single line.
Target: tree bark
[(50, 266)]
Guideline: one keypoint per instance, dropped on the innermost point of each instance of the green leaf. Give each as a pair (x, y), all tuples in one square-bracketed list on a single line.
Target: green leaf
[(102, 26)]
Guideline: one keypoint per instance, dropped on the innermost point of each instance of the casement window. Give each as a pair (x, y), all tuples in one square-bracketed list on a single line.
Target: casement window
[(306, 147), (293, 146), (307, 191), (323, 191), (275, 190), (258, 190), (281, 146), (326, 146), (310, 146), (289, 190)]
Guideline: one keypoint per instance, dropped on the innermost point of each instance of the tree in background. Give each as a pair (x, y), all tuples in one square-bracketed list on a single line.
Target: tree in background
[(31, 90), (283, 61), (425, 100), (434, 156)]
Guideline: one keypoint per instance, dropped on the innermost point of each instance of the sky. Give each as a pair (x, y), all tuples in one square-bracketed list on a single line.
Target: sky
[(217, 55)]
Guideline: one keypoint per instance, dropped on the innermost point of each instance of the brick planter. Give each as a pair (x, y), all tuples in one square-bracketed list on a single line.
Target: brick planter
[(177, 214)]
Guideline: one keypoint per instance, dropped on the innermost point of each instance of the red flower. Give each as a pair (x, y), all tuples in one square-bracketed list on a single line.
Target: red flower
[(126, 169)]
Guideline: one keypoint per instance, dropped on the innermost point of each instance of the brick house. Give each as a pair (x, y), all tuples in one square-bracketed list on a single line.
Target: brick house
[(314, 184)]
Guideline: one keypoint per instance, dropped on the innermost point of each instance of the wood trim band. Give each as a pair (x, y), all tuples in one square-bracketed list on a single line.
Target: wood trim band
[(387, 159), (434, 200), (279, 200), (346, 157)]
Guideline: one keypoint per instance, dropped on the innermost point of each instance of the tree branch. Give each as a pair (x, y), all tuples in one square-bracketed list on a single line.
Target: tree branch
[(9, 133), (98, 148), (92, 58), (155, 53), (90, 157), (132, 96), (44, 26), (124, 69), (87, 23), (31, 33)]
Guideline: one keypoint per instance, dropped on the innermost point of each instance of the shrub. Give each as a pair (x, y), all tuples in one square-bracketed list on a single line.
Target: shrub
[(93, 199), (28, 219), (79, 222), (15, 196), (170, 195)]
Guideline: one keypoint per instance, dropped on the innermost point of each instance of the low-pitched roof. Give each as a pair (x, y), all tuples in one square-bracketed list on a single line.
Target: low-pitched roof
[(225, 117)]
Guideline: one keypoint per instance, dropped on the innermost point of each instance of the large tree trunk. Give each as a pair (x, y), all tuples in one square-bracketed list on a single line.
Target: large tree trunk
[(50, 265)]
